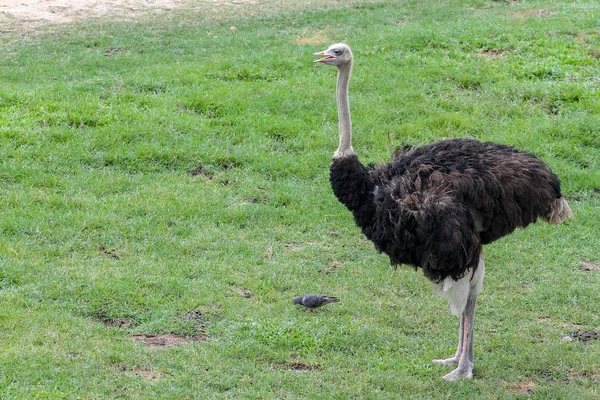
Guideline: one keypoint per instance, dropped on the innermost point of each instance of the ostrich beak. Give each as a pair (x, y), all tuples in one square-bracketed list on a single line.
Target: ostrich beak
[(326, 58)]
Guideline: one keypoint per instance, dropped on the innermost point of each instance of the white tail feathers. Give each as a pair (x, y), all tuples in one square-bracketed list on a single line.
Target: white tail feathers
[(559, 211)]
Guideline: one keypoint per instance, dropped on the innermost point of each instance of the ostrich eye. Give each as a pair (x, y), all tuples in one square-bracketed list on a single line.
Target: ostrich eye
[(337, 51)]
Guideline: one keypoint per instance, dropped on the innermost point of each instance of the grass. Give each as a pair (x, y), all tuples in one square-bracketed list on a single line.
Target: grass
[(170, 176)]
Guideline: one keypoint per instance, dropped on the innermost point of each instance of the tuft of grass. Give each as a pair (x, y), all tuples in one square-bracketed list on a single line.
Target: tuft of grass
[(169, 176)]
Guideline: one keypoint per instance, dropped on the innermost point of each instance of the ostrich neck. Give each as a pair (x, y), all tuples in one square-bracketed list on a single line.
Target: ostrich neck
[(345, 147)]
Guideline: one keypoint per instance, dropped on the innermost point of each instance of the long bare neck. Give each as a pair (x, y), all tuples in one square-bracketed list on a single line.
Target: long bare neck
[(345, 147)]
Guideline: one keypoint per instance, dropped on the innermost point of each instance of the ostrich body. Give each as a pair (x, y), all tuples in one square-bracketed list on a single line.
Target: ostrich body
[(433, 207)]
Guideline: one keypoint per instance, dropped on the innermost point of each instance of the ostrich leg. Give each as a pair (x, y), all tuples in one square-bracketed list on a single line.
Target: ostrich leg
[(454, 360), (464, 351), (465, 358)]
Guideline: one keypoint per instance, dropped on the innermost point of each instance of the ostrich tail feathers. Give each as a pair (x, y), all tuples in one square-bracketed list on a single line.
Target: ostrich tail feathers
[(559, 212)]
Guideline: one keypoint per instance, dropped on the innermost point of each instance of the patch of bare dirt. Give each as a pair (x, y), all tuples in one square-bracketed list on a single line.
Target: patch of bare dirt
[(194, 315), (72, 10), (493, 53), (117, 323), (554, 376), (317, 37), (589, 266), (295, 366), (201, 170), (61, 11), (114, 253), (594, 377), (167, 340), (243, 292), (148, 375), (334, 267), (112, 52), (523, 388), (585, 336)]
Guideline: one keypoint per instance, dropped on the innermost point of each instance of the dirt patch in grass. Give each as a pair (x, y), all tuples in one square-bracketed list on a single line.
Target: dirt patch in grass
[(573, 375), (589, 266), (243, 292), (554, 376), (194, 315), (523, 388), (167, 340), (111, 52), (334, 267), (173, 339), (117, 323), (528, 386), (114, 253), (148, 375), (200, 170), (61, 11), (317, 37), (295, 366), (493, 53), (585, 336)]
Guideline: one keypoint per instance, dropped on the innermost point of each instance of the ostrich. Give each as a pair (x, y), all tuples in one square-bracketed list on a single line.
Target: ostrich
[(433, 207)]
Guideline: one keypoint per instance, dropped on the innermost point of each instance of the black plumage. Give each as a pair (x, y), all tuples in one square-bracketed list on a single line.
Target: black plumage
[(434, 206)]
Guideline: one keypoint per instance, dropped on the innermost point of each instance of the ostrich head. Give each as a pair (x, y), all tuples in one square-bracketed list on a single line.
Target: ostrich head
[(337, 54)]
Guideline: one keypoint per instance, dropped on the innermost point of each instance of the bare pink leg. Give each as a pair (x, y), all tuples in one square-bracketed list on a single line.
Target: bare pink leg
[(454, 360), (465, 359), (464, 351)]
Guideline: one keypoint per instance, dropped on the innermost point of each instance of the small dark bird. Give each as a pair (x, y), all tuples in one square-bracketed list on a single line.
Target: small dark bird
[(313, 301)]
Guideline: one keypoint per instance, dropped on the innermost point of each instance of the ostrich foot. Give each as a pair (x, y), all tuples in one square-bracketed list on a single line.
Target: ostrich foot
[(462, 372), (447, 361)]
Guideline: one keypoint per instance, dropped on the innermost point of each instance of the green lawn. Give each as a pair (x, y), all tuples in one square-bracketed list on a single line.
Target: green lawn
[(169, 176)]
